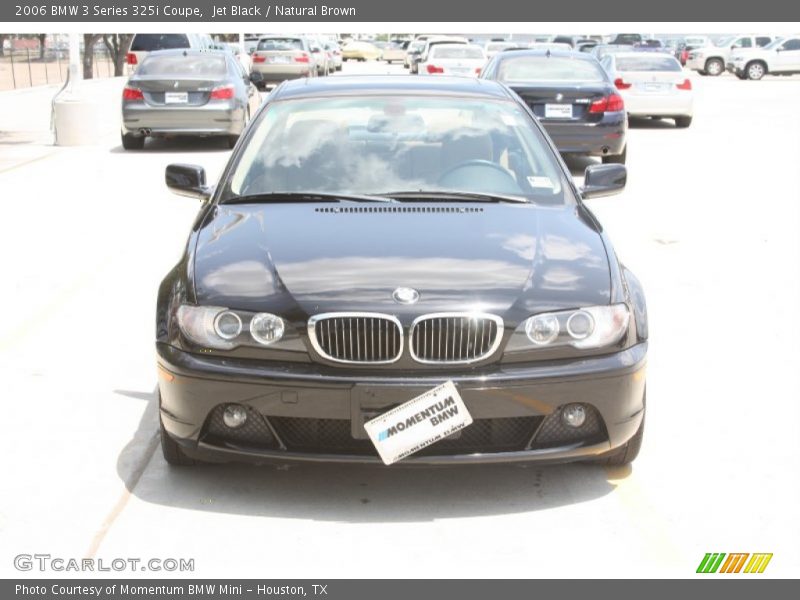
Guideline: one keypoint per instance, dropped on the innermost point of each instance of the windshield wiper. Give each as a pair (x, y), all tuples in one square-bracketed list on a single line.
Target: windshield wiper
[(303, 197), (455, 195)]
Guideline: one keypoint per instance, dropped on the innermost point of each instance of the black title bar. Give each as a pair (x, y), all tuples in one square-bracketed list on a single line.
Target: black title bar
[(340, 11)]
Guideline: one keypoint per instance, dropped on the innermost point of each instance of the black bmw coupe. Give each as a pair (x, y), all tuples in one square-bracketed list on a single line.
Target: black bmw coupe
[(374, 237)]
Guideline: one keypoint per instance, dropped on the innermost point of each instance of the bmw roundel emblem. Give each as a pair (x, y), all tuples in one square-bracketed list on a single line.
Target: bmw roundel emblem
[(405, 295)]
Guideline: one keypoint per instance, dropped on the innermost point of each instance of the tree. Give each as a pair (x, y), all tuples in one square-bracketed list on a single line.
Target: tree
[(118, 44), (89, 40), (3, 37), (42, 45)]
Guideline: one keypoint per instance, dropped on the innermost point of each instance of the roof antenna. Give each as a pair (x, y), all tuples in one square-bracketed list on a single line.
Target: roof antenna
[(547, 54)]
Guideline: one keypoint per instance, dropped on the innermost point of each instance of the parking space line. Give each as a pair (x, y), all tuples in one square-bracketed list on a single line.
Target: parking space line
[(28, 162), (651, 526), (122, 501)]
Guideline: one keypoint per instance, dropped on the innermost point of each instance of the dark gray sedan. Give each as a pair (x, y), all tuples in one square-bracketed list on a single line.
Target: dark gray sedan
[(187, 92)]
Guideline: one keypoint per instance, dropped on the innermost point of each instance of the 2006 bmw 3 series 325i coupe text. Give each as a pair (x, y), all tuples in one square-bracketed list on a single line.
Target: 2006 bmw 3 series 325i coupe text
[(372, 238)]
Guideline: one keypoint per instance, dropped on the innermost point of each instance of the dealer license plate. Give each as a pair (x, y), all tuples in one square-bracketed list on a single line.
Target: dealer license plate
[(558, 111), (655, 87), (420, 422), (176, 98)]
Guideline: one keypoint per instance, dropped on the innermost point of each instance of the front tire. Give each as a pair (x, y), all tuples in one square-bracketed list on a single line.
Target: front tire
[(132, 142), (714, 67), (617, 159), (756, 70), (683, 122), (625, 454)]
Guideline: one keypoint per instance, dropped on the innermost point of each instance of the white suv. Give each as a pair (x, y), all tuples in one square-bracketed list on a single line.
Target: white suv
[(781, 57), (711, 58)]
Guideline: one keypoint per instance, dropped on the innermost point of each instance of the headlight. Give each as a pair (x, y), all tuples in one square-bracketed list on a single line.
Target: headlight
[(224, 329), (266, 329), (589, 327)]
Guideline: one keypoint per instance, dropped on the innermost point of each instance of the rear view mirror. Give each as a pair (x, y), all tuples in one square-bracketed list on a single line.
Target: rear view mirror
[(256, 77), (603, 180), (188, 180)]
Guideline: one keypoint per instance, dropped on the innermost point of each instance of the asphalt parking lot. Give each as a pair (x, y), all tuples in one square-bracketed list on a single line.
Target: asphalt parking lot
[(708, 223)]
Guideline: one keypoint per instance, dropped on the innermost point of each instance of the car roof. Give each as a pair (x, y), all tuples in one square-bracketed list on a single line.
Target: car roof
[(618, 55), (389, 84)]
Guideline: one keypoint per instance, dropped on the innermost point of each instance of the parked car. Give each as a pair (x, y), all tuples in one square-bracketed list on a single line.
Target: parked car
[(573, 97), (652, 85), (626, 39), (602, 50), (413, 51), (322, 59), (144, 43), (465, 60), (281, 57), (187, 92), (432, 42), (240, 55), (395, 51), (690, 43), (781, 57), (302, 309), (334, 54), (492, 48), (360, 51), (712, 59)]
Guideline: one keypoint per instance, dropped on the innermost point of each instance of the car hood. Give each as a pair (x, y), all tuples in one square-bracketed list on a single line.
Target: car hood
[(303, 259)]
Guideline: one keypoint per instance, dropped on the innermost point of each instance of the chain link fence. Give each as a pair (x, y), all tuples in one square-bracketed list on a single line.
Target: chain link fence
[(25, 64)]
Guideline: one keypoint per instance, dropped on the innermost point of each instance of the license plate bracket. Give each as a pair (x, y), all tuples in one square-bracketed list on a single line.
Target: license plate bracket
[(558, 111), (176, 97)]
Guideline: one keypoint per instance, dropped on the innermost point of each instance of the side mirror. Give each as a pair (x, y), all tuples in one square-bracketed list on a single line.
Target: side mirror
[(256, 77), (188, 180), (603, 180)]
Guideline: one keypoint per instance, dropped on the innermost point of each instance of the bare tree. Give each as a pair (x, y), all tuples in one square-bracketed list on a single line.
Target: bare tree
[(89, 40), (3, 37), (42, 45), (118, 44)]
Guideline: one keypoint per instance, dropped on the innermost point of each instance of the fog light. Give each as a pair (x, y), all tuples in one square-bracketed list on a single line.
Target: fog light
[(573, 415), (234, 416)]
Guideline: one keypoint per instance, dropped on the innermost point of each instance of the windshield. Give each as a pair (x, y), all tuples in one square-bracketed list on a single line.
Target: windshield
[(647, 63), (150, 42), (280, 44), (180, 65), (726, 41), (552, 68), (380, 144), (456, 51)]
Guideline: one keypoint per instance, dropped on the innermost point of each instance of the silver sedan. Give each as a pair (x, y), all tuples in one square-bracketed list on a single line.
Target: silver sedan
[(187, 92)]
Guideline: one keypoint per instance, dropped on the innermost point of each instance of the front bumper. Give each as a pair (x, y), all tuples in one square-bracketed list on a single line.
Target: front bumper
[(735, 68), (515, 408), (604, 137), (696, 63)]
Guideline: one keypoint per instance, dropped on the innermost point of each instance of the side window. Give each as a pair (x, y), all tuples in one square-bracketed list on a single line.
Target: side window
[(743, 43), (792, 44), (762, 41)]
